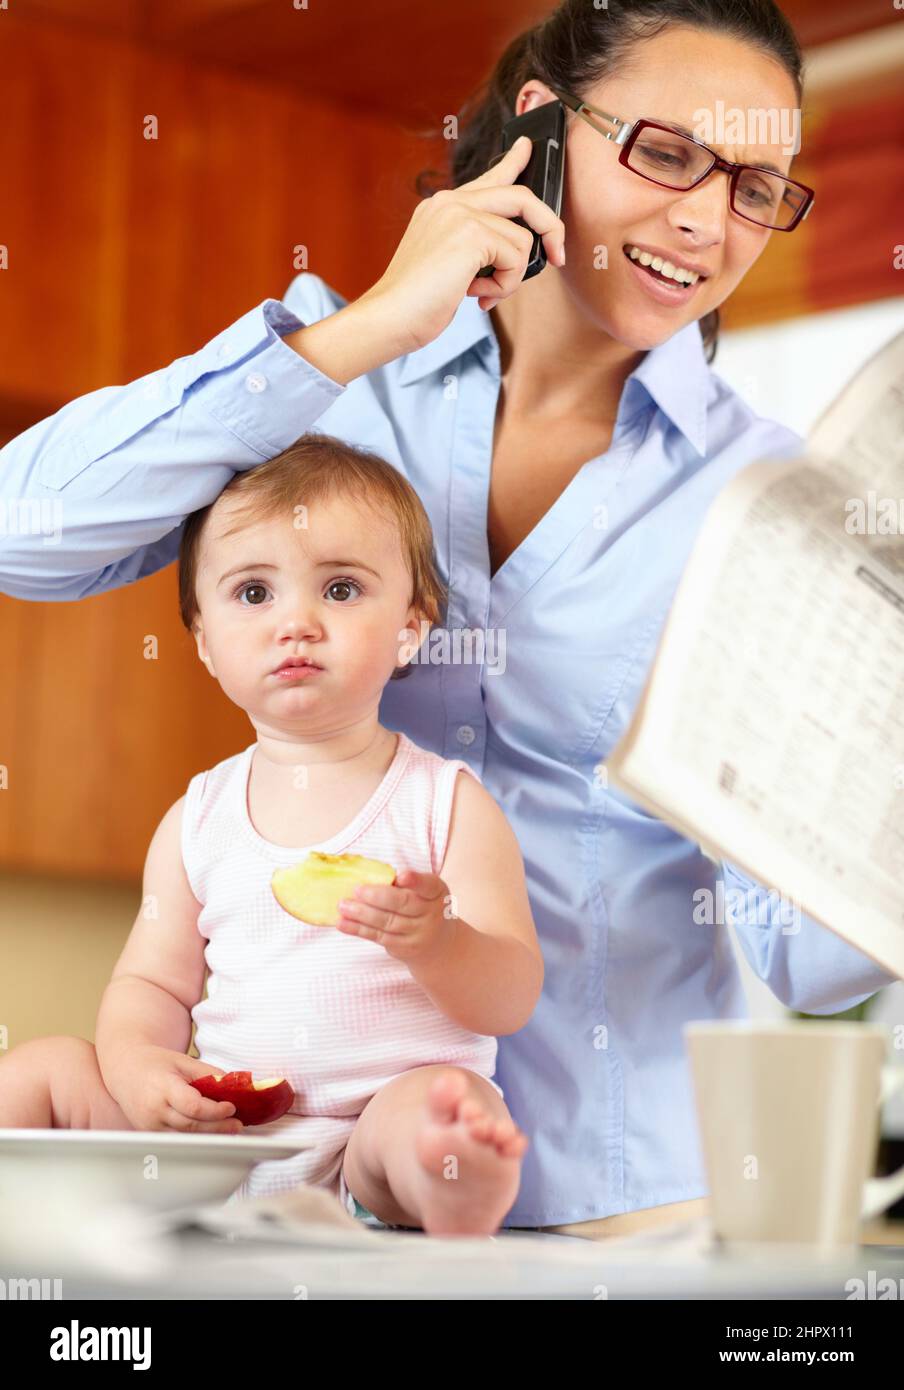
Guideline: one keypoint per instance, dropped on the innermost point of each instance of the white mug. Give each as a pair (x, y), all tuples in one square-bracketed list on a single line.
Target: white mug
[(789, 1118)]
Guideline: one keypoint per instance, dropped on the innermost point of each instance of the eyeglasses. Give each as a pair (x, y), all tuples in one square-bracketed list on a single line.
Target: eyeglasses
[(669, 157)]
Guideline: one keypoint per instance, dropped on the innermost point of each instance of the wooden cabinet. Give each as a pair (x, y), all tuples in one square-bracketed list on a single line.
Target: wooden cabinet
[(125, 253)]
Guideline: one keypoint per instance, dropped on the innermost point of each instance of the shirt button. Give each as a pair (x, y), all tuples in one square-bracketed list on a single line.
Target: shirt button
[(254, 381), (223, 350), (465, 734)]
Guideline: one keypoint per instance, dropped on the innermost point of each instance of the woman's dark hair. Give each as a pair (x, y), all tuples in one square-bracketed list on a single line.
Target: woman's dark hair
[(577, 46)]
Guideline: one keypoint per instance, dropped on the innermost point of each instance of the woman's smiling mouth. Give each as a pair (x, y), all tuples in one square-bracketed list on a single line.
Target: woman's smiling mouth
[(654, 274)]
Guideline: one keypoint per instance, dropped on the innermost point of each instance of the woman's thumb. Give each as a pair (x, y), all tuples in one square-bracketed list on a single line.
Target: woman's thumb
[(516, 154), (520, 149)]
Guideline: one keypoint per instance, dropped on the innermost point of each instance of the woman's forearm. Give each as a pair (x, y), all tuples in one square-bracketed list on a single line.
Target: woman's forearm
[(489, 984), (352, 341), (134, 1013)]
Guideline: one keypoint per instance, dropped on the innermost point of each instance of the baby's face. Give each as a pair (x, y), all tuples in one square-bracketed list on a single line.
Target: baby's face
[(336, 590)]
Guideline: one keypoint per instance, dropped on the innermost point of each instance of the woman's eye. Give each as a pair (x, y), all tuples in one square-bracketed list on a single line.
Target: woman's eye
[(344, 584), (659, 156), (757, 196), (249, 587)]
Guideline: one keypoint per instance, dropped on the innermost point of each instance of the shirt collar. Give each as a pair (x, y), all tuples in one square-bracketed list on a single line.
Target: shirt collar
[(470, 325), (675, 374)]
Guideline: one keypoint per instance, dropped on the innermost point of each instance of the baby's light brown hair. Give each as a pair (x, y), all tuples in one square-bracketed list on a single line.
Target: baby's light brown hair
[(317, 467)]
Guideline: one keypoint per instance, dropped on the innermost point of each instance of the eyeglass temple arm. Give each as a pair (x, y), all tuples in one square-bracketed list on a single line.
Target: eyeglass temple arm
[(581, 108)]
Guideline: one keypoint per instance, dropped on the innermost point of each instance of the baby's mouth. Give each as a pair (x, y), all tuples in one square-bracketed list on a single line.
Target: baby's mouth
[(290, 668)]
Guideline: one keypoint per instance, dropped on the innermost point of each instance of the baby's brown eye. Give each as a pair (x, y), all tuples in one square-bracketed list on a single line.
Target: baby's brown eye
[(343, 584), (251, 589)]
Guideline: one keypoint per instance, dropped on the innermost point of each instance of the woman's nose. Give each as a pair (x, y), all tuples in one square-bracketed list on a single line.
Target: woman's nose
[(704, 209)]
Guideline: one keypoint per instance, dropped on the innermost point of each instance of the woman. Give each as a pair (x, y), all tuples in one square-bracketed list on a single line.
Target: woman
[(566, 445)]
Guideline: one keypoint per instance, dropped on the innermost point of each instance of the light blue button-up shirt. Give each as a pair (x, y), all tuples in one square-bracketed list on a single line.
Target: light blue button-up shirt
[(93, 497)]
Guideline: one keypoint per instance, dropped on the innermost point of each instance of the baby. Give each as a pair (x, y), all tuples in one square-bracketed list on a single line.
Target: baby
[(385, 1025)]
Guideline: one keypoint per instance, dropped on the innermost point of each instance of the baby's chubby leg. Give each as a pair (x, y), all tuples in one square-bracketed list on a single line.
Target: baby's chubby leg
[(436, 1148), (55, 1083)]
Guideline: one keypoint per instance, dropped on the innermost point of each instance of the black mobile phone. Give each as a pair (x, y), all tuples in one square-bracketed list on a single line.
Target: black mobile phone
[(544, 173)]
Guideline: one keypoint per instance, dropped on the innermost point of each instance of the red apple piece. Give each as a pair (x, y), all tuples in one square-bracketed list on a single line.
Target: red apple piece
[(256, 1102)]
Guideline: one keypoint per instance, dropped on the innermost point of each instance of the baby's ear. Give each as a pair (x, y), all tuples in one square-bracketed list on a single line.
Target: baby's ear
[(416, 632), (423, 621), (201, 644)]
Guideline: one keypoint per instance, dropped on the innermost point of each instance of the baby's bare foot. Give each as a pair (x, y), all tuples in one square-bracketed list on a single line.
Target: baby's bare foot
[(469, 1161)]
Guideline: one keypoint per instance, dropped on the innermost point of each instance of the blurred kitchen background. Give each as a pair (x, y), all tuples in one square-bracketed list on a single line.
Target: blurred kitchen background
[(282, 125)]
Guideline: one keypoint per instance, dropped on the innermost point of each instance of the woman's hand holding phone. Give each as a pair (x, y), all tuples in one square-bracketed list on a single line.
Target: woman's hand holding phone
[(458, 231), (451, 236)]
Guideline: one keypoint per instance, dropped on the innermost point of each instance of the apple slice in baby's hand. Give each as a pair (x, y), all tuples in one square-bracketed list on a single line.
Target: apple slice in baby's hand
[(256, 1102), (313, 889)]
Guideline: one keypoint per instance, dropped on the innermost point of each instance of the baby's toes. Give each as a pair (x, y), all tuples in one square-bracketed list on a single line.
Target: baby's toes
[(480, 1126), (515, 1145), (505, 1130), (470, 1109)]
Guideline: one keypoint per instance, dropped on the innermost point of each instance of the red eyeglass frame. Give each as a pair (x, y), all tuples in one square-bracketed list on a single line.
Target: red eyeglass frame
[(733, 170), (626, 135)]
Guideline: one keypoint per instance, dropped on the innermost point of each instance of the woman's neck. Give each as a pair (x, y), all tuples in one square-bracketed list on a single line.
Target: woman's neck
[(555, 361)]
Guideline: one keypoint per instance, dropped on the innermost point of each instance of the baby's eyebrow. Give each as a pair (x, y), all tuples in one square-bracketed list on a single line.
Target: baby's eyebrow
[(240, 569), (348, 564)]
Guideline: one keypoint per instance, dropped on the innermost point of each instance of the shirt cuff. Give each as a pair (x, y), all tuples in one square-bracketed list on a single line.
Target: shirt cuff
[(260, 388)]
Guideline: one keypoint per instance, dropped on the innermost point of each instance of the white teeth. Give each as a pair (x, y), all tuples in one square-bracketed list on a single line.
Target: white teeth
[(672, 272)]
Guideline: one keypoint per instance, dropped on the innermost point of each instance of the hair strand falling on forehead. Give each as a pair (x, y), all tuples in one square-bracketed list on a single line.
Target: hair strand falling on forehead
[(577, 46)]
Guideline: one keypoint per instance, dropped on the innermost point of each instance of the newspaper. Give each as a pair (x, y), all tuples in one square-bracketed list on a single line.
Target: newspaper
[(771, 727)]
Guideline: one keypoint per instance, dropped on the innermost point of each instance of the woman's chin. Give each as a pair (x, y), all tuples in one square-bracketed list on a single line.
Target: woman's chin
[(647, 329)]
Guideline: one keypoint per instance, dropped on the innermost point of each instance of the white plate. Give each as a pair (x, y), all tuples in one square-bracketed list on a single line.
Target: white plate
[(66, 1169)]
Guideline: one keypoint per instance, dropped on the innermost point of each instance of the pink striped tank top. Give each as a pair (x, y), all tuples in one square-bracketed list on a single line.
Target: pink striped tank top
[(335, 1014)]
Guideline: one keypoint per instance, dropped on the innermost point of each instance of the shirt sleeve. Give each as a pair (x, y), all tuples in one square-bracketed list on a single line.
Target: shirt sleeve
[(94, 496), (805, 964)]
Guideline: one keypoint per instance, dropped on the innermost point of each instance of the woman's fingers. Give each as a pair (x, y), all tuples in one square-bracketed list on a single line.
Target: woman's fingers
[(517, 200), (511, 199), (511, 248), (515, 159)]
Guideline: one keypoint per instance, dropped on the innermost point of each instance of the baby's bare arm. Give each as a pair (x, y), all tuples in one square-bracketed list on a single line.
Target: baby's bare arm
[(490, 976), (159, 976)]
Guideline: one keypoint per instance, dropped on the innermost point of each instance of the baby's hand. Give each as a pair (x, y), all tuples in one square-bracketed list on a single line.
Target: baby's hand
[(410, 917), (152, 1089)]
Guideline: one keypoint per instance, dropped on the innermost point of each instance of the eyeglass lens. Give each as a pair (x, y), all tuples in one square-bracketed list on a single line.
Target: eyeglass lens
[(671, 159)]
